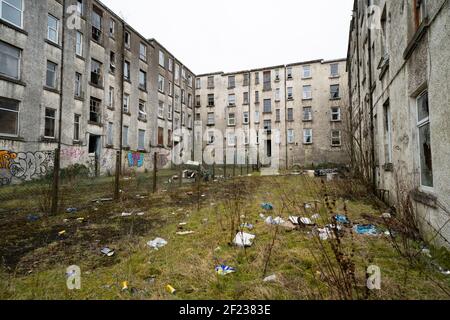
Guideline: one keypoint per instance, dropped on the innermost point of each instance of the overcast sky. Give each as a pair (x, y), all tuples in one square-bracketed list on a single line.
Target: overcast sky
[(233, 35)]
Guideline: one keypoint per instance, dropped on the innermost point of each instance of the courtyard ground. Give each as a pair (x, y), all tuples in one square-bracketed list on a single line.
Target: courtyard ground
[(36, 248)]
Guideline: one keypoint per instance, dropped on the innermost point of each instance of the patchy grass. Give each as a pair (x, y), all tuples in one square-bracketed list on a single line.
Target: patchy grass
[(34, 257)]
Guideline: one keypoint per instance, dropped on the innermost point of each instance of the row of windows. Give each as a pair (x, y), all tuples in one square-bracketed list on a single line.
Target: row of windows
[(335, 137), (307, 95), (267, 77)]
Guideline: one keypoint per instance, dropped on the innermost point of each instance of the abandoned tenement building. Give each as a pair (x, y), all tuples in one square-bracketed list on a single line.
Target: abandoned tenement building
[(399, 69), (102, 73)]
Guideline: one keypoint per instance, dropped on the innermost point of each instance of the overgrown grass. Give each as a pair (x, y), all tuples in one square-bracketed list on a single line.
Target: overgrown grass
[(187, 263)]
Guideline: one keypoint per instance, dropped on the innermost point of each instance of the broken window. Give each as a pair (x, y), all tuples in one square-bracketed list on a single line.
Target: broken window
[(50, 118), (9, 117), (335, 114), (387, 133), (76, 127), (307, 136), (246, 100), (96, 72), (96, 25), (334, 91), (142, 112), (142, 80), (246, 119), (335, 138), (94, 114), (210, 100), (423, 125)]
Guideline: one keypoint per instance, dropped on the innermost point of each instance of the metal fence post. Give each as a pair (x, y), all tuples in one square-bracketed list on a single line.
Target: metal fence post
[(155, 170), (55, 185), (117, 177)]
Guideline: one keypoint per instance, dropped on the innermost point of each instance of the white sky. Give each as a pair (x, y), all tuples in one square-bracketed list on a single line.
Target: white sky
[(233, 35)]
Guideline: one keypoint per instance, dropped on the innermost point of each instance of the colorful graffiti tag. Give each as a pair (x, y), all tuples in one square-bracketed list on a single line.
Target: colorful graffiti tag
[(24, 165), (135, 159)]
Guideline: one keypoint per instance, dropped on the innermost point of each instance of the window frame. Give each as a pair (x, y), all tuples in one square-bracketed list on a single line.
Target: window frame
[(51, 29), (420, 123), (17, 118), (19, 61), (54, 123), (20, 10)]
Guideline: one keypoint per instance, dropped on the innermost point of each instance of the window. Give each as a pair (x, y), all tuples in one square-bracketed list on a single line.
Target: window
[(335, 138), (267, 81), (267, 106), (211, 119), (246, 79), (112, 62), (307, 94), (111, 97), (162, 59), (170, 64), (189, 100), (183, 96), (277, 94), (9, 60), (334, 91), (161, 108), (277, 75), (231, 119), (387, 134), (290, 136), (307, 114), (246, 101), (198, 117), (289, 73), (232, 100), (231, 138), (141, 140), (256, 78), (97, 25), (169, 138), (125, 136), (76, 127), (80, 7), (170, 88), (335, 114), (9, 117), (112, 28), (197, 101), (277, 115), (50, 119), (142, 113), (231, 82), (334, 70), (161, 83), (126, 71), (189, 80), (423, 126), (142, 80), (50, 81), (52, 29), (210, 100), (12, 12), (189, 121), (169, 112), (198, 83), (268, 126), (109, 134), (79, 44), (143, 52), (307, 136), (94, 114), (246, 118), (126, 103), (127, 40), (78, 84), (211, 137), (96, 72), (160, 136), (256, 116), (183, 73), (290, 115), (177, 72), (210, 82), (306, 72), (290, 93)]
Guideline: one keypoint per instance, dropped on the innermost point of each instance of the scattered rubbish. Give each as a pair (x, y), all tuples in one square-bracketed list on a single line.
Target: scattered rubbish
[(270, 278), (150, 280), (276, 221), (205, 220), (80, 220), (126, 214), (140, 214), (124, 285), (189, 193), (182, 223), (297, 221), (171, 289), (33, 218), (107, 252), (223, 270), (310, 173), (386, 215), (316, 216), (262, 216), (324, 172), (203, 195), (71, 210), (308, 205), (61, 233), (217, 249), (243, 239), (426, 252), (331, 176), (367, 229), (157, 243), (341, 219), (325, 233), (184, 233), (267, 206), (103, 200), (388, 233), (248, 226)]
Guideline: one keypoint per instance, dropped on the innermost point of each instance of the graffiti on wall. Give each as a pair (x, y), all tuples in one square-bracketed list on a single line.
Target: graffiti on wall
[(24, 166), (73, 154), (135, 159), (163, 160)]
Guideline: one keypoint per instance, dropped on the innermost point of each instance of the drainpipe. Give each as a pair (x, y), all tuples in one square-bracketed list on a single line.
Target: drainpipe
[(372, 131), (285, 116), (173, 111), (57, 165)]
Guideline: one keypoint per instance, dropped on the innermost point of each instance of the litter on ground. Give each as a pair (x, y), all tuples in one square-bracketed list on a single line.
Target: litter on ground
[(243, 239), (248, 226), (107, 252), (33, 218), (71, 210), (185, 233), (157, 243), (341, 219), (170, 289), (223, 270), (366, 229), (270, 278), (127, 214), (267, 206), (276, 221)]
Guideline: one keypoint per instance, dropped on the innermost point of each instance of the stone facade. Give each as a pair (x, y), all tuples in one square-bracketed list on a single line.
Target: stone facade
[(398, 64)]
